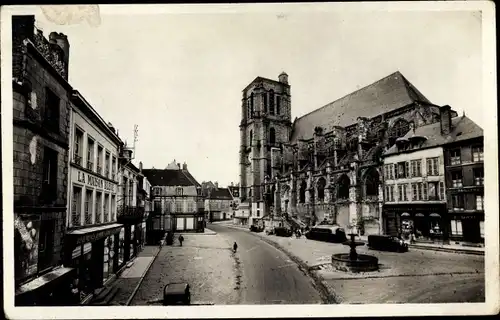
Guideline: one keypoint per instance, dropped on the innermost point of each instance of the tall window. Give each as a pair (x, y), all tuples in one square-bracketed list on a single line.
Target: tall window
[(389, 171), (456, 227), (251, 105), (455, 157), (88, 207), (106, 164), (98, 207), (478, 176), (441, 191), (76, 207), (402, 170), (49, 183), (78, 149), (131, 193), (389, 193), (51, 116), (479, 202), (371, 183), (106, 208), (278, 105), (178, 206), (400, 128), (265, 101), (100, 152), (321, 189), (157, 206), (250, 138), (45, 244), (271, 102), (477, 154), (456, 179), (457, 201), (433, 166), (344, 184), (302, 192), (419, 191), (402, 192), (113, 208), (433, 190), (113, 168), (272, 136), (416, 168), (90, 154)]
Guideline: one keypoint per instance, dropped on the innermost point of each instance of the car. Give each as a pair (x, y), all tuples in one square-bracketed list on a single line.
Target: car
[(387, 243), (176, 294), (329, 233), (255, 228), (282, 232)]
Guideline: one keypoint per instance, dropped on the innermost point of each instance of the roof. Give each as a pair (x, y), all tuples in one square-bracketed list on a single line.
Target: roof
[(259, 79), (220, 194), (170, 177), (463, 129), (388, 94)]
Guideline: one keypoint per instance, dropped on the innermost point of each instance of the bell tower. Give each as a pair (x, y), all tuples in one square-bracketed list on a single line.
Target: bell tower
[(265, 125)]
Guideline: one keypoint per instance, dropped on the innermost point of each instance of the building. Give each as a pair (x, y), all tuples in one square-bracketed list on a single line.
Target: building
[(129, 210), (414, 186), (93, 189), (218, 202), (234, 189), (177, 202), (144, 201), (41, 113), (325, 165)]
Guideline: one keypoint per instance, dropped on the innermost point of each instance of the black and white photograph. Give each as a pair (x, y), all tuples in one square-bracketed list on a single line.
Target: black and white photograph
[(249, 160)]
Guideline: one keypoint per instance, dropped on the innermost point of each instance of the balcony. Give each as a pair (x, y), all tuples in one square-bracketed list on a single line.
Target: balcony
[(129, 214)]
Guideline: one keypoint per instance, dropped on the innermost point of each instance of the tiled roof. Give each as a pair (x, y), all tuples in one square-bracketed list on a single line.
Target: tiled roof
[(220, 194), (388, 94), (463, 128), (167, 177)]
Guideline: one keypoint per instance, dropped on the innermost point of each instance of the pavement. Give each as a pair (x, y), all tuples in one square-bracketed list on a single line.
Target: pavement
[(415, 276)]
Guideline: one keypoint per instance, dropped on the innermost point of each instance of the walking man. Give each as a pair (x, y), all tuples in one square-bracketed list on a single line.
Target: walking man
[(235, 247), (181, 238)]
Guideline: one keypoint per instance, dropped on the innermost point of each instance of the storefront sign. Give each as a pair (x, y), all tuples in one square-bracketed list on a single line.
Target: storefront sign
[(92, 235), (94, 181), (467, 189), (26, 231)]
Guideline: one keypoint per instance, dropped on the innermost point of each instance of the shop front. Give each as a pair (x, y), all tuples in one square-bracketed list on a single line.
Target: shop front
[(416, 222), (92, 253), (467, 227)]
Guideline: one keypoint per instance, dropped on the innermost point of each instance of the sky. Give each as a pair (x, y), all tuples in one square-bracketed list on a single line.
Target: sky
[(180, 77)]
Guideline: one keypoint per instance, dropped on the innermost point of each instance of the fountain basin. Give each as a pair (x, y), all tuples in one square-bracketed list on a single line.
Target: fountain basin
[(363, 263), (355, 243)]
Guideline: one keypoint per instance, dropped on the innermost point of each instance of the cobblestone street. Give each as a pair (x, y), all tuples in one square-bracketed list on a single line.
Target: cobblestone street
[(205, 262)]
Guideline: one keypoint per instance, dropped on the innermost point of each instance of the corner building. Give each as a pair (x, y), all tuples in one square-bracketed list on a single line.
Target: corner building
[(325, 165)]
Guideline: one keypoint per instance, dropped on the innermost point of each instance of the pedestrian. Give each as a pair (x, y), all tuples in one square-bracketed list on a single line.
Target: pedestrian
[(181, 238), (235, 247)]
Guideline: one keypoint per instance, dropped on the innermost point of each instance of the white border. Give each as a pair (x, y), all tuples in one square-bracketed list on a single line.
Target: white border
[(491, 306)]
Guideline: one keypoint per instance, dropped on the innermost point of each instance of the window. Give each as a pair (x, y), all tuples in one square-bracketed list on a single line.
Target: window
[(131, 193), (88, 207), (433, 190), (278, 105), (250, 138), (251, 105), (157, 191), (479, 202), (271, 102), (178, 206), (49, 183), (433, 166), (321, 189), (45, 244), (344, 184), (403, 170), (402, 192), (272, 136), (389, 171), (456, 227), (76, 207), (371, 183), (258, 213), (302, 192), (455, 157), (265, 101), (106, 164), (113, 207), (113, 168), (51, 116), (157, 206), (477, 154), (178, 191), (98, 208), (389, 193), (414, 191), (419, 191), (416, 168), (90, 154), (190, 206), (78, 149), (456, 179), (478, 176), (423, 187), (457, 201), (100, 151), (441, 191), (106, 208), (400, 128)]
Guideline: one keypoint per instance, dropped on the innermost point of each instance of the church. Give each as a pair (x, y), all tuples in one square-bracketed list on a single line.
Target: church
[(325, 165)]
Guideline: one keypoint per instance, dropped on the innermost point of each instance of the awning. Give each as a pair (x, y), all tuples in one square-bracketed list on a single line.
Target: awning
[(405, 214), (84, 235), (43, 280), (434, 215), (420, 215)]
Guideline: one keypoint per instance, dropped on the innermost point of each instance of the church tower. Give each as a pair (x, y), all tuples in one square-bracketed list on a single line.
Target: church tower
[(265, 125)]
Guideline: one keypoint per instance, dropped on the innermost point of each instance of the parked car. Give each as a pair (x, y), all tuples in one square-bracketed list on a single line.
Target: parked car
[(329, 233), (387, 243), (176, 294), (256, 228), (283, 232)]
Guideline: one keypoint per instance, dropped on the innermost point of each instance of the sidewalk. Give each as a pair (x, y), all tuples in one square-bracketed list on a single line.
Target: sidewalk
[(207, 232)]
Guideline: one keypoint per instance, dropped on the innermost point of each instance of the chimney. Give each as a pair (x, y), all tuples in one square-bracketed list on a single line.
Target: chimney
[(110, 125), (445, 119), (283, 78), (22, 28), (184, 166), (62, 40), (140, 166)]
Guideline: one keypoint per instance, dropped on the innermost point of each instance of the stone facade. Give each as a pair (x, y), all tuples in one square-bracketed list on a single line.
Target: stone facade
[(327, 169)]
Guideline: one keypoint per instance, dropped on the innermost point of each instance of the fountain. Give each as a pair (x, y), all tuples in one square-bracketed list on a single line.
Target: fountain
[(354, 262)]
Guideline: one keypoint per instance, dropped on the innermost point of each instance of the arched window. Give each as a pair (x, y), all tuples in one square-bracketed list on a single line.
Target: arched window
[(251, 137), (272, 136), (302, 192), (271, 102), (278, 105), (343, 187), (371, 183), (321, 189), (400, 128)]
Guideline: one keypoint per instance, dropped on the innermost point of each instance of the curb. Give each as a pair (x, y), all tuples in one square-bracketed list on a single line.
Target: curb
[(459, 251), (129, 300)]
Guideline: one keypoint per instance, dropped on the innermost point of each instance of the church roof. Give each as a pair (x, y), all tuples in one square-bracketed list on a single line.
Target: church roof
[(388, 94)]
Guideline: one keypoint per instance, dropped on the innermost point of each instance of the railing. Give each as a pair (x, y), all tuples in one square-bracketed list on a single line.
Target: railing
[(77, 160), (90, 165)]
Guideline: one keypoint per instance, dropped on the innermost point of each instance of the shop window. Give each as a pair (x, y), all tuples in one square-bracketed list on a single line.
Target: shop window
[(457, 201), (456, 179), (455, 157), (78, 147), (416, 168), (433, 166), (45, 244), (477, 154), (90, 154), (272, 136), (88, 207), (479, 176), (302, 192), (49, 183), (106, 164), (479, 202), (321, 189), (52, 109), (343, 185), (481, 228), (456, 228)]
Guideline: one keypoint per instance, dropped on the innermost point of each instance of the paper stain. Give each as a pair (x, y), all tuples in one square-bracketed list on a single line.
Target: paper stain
[(72, 14), (32, 149)]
